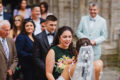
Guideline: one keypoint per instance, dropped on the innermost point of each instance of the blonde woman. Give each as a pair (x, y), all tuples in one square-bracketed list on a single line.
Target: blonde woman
[(17, 25)]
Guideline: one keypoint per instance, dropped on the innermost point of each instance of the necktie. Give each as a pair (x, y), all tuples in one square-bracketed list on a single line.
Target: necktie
[(5, 46)]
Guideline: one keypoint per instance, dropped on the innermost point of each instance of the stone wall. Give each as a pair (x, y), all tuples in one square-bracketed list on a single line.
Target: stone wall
[(115, 15), (111, 60), (119, 50), (105, 11)]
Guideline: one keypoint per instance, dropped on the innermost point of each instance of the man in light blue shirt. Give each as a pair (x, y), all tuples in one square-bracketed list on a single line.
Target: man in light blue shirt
[(94, 28)]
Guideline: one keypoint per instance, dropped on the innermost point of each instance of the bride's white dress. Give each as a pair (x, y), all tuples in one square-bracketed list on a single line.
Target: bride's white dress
[(84, 67)]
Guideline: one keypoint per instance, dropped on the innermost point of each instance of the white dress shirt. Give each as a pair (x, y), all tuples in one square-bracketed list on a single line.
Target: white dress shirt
[(37, 27), (6, 48), (49, 37), (92, 24), (92, 21), (1, 17)]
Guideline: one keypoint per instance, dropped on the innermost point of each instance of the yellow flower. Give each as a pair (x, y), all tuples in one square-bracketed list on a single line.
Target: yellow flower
[(62, 62), (67, 58), (63, 56)]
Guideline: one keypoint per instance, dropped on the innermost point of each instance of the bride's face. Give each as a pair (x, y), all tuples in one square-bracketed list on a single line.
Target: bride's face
[(65, 39)]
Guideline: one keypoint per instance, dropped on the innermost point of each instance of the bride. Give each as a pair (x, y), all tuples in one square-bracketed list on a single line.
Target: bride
[(82, 67)]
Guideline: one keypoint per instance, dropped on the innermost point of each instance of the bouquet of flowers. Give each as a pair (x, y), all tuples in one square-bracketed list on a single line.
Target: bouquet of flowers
[(62, 62)]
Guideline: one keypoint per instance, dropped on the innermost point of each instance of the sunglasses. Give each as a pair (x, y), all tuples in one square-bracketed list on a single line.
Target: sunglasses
[(17, 20)]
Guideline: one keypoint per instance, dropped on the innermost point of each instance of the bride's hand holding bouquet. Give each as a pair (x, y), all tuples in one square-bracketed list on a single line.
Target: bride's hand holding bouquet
[(63, 62)]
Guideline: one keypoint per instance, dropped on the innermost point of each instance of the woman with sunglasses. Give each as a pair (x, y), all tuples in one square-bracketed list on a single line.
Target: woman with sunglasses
[(17, 25)]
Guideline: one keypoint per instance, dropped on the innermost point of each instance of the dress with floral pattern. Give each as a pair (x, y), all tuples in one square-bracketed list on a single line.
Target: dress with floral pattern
[(60, 54)]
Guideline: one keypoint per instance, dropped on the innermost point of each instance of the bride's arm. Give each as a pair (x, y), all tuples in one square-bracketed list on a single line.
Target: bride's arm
[(50, 62), (65, 73)]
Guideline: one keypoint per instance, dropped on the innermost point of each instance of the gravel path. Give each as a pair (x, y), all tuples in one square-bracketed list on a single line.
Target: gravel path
[(110, 74)]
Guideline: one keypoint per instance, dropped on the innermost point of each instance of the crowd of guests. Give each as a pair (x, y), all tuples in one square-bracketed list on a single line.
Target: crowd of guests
[(35, 47)]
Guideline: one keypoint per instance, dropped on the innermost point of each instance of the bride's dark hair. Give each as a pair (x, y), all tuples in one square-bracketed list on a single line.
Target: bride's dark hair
[(82, 42)]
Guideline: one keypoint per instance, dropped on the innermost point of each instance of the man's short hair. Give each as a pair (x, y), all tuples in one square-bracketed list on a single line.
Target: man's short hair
[(93, 4), (34, 5), (3, 22), (42, 21), (51, 18)]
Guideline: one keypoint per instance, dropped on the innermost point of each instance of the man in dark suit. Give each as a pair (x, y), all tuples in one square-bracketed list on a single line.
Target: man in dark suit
[(42, 44), (8, 54), (5, 15)]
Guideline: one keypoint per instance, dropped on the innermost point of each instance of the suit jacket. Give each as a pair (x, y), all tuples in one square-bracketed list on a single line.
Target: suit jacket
[(41, 47), (24, 48), (8, 16), (98, 33), (13, 60)]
